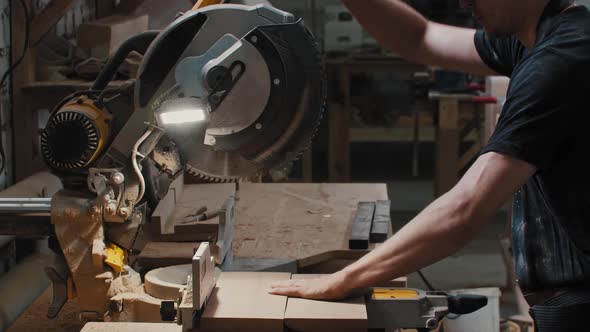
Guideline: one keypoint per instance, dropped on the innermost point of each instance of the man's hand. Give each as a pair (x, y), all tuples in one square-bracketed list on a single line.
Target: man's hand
[(329, 287)]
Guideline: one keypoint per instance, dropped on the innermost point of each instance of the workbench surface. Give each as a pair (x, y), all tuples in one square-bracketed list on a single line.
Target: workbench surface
[(287, 220), (295, 221)]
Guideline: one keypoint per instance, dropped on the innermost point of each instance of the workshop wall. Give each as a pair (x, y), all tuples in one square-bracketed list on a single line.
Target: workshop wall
[(5, 128), (82, 12)]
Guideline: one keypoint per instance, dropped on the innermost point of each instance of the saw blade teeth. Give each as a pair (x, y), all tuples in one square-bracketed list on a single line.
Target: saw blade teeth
[(207, 177)]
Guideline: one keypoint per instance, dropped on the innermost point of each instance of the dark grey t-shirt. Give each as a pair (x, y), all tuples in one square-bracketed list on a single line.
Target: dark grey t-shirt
[(545, 122)]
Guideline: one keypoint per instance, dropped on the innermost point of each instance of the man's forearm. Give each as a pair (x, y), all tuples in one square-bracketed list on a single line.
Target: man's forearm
[(437, 232), (393, 23)]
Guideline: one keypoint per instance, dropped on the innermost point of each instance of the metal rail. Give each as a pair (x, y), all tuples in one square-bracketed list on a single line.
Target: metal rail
[(25, 205), (28, 217)]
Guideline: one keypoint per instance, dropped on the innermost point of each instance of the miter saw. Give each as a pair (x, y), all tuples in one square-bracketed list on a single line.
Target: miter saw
[(223, 92)]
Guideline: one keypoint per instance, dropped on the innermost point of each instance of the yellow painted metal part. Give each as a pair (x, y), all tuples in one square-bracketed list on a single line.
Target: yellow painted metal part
[(71, 289), (394, 293), (203, 3), (116, 257)]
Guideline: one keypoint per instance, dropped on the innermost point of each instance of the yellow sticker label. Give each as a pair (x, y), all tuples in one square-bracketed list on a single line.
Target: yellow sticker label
[(116, 257), (394, 293)]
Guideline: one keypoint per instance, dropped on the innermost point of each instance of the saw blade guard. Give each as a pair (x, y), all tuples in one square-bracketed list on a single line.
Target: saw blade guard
[(238, 88)]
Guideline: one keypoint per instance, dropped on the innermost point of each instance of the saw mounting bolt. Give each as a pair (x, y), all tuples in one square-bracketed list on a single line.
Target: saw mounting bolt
[(258, 126), (276, 81), (111, 208), (431, 323), (106, 198), (118, 178), (94, 209), (124, 212), (254, 39)]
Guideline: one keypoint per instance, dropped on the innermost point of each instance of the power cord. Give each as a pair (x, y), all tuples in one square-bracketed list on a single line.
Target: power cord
[(10, 70), (428, 284)]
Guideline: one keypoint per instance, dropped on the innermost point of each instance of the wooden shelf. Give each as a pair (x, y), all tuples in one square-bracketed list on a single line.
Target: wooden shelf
[(376, 134), (65, 84), (390, 135)]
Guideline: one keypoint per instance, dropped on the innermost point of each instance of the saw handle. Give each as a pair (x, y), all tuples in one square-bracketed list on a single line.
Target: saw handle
[(466, 303)]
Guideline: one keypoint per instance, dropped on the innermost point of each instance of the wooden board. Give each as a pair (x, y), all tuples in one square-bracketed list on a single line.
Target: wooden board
[(304, 315), (241, 302), (160, 254), (381, 222), (297, 220), (131, 327), (183, 201), (361, 226), (203, 268)]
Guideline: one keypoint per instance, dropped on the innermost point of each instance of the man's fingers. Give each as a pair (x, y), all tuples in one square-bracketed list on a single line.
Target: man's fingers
[(286, 283), (286, 291), (287, 288)]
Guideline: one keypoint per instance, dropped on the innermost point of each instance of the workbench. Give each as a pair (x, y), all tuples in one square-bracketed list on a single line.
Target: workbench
[(309, 223), (288, 221)]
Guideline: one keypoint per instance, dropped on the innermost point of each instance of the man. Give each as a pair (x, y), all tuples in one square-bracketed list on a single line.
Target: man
[(535, 154)]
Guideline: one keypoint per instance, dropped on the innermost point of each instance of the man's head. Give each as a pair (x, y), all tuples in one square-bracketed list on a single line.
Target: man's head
[(503, 17)]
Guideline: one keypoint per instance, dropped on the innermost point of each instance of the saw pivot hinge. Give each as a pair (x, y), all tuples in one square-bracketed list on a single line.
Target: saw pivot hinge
[(222, 80)]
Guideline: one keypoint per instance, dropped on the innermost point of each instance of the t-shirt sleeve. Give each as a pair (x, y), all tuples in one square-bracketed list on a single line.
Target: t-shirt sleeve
[(540, 112), (496, 53)]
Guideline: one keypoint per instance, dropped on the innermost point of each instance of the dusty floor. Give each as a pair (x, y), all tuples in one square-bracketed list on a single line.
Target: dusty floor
[(35, 318)]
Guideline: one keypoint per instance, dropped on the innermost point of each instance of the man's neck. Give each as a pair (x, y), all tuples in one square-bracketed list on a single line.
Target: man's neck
[(527, 33)]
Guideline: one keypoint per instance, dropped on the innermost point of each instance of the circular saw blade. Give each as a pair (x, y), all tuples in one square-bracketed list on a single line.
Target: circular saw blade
[(294, 105)]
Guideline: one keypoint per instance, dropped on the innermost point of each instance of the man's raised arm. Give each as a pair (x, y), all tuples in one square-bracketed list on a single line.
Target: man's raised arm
[(401, 29)]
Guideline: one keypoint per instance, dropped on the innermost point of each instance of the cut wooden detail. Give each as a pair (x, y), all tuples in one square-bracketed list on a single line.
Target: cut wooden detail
[(361, 227), (304, 315), (167, 283), (381, 222), (241, 302)]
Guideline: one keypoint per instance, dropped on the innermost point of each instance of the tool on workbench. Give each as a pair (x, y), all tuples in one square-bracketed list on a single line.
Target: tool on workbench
[(201, 217), (198, 212), (371, 224), (224, 92), (416, 309)]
